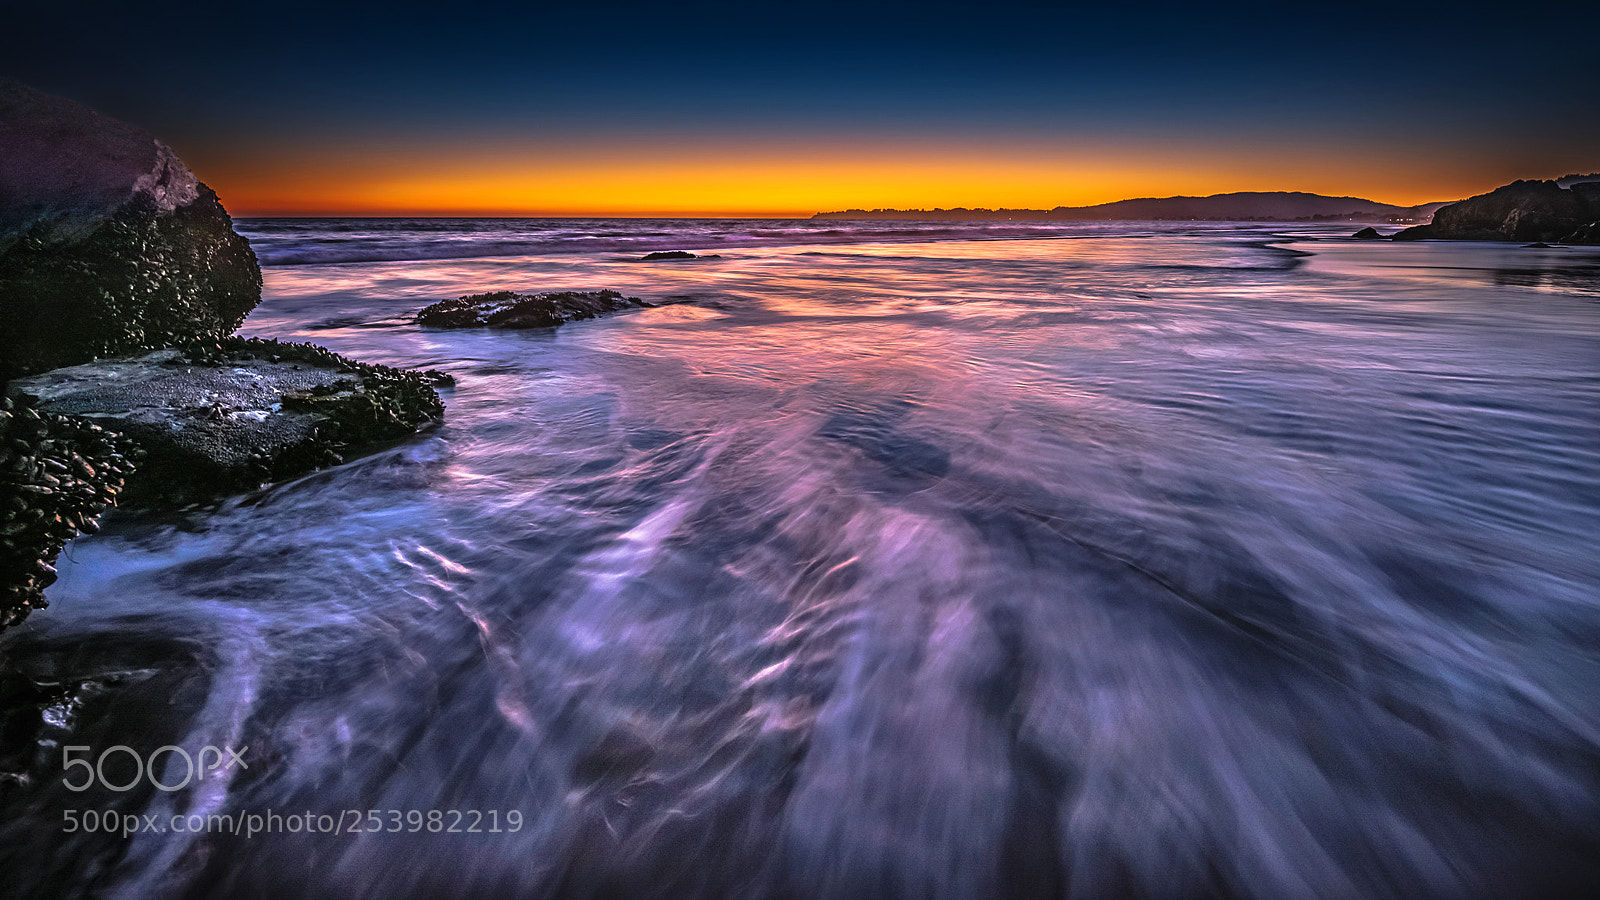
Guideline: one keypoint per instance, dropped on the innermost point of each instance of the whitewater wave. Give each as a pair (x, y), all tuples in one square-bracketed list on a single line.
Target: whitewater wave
[(303, 242)]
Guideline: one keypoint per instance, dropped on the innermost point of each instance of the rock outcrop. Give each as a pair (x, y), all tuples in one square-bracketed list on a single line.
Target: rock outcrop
[(506, 309), (1367, 234), (108, 243), (231, 416), (1521, 211)]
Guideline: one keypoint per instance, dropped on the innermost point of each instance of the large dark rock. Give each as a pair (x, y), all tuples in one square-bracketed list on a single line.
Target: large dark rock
[(108, 243), (506, 309), (232, 416), (1367, 234), (1521, 211)]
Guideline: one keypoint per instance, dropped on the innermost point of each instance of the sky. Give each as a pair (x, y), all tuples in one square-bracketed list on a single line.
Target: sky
[(785, 109)]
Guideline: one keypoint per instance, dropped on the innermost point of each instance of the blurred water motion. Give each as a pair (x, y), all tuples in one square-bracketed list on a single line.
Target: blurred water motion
[(1167, 565)]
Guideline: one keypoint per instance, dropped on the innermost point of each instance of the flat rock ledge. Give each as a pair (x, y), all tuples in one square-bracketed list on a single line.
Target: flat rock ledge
[(179, 426), (507, 309), (228, 416)]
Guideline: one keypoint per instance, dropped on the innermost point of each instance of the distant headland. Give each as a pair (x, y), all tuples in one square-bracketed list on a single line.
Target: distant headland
[(1242, 206)]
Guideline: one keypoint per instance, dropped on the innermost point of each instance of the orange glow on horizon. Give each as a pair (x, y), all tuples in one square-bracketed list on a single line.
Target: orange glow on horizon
[(728, 179)]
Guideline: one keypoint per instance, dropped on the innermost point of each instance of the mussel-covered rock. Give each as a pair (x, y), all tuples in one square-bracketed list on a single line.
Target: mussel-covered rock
[(507, 309), (57, 475), (227, 416)]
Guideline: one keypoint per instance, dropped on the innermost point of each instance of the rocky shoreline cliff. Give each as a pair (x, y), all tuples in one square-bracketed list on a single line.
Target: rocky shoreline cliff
[(1523, 211)]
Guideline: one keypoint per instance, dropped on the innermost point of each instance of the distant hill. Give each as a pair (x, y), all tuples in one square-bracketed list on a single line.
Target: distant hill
[(1243, 206)]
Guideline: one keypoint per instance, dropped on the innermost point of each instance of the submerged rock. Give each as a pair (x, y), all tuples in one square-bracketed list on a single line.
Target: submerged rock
[(1367, 234), (128, 686), (1520, 211), (507, 309), (227, 417), (57, 475), (108, 243)]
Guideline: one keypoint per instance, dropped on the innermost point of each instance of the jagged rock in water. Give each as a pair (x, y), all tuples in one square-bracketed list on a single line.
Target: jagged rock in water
[(1367, 234), (57, 475), (108, 243), (672, 254), (507, 309), (229, 416), (1520, 211)]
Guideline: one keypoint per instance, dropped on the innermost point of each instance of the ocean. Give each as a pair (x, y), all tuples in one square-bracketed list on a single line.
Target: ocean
[(892, 559)]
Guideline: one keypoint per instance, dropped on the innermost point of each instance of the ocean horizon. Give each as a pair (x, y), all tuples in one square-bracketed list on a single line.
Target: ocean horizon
[(294, 240)]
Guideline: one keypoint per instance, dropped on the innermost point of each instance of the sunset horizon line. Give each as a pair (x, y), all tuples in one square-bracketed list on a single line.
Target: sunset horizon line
[(808, 213)]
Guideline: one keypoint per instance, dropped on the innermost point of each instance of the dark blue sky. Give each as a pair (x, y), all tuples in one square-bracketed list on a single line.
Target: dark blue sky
[(1463, 94)]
